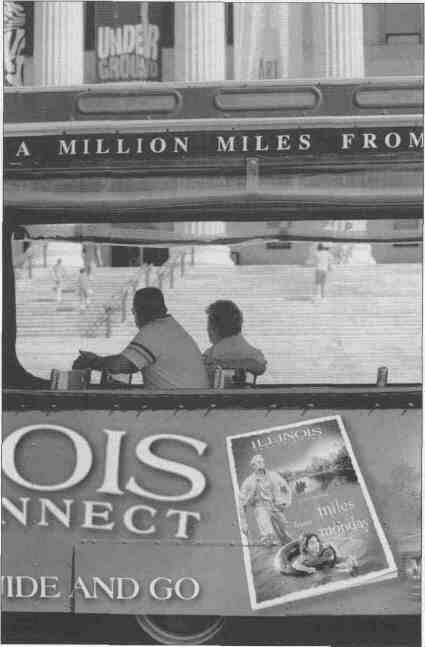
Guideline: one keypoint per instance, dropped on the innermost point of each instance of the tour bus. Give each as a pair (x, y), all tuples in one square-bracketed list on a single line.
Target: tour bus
[(119, 499)]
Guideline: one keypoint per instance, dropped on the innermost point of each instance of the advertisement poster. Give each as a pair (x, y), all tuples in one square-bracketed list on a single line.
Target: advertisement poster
[(128, 41), (308, 524), (212, 323)]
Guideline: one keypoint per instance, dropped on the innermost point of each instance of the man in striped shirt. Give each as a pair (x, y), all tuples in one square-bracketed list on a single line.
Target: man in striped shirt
[(162, 350)]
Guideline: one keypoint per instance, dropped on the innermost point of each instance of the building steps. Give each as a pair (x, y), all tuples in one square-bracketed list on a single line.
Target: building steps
[(370, 317)]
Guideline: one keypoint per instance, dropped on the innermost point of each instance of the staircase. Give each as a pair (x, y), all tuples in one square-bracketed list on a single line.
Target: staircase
[(40, 316), (369, 318)]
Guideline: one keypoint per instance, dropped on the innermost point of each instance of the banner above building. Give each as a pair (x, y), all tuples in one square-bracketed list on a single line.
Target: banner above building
[(128, 41), (85, 148)]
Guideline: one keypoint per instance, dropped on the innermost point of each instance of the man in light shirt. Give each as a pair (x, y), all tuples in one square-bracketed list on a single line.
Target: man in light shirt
[(322, 262), (162, 350), (268, 493)]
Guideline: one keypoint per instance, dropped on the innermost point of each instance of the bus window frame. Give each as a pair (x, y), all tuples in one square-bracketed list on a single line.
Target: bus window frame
[(304, 395), (235, 206)]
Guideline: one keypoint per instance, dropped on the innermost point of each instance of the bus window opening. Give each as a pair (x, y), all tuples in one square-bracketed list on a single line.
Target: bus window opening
[(248, 302)]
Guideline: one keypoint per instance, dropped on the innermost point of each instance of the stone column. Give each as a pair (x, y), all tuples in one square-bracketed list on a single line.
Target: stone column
[(267, 40), (58, 43), (338, 48), (200, 56), (338, 40), (199, 41)]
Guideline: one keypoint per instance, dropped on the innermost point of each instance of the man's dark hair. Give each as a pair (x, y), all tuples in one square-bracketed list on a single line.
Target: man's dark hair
[(149, 302), (225, 317)]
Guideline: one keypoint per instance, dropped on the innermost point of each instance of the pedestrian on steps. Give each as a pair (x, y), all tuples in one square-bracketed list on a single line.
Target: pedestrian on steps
[(59, 275), (84, 289), (322, 263), (86, 254)]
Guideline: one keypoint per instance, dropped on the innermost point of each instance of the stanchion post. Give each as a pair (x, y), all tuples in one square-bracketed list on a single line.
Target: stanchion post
[(124, 305), (108, 322)]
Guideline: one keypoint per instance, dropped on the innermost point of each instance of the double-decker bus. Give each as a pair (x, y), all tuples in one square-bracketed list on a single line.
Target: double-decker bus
[(212, 191)]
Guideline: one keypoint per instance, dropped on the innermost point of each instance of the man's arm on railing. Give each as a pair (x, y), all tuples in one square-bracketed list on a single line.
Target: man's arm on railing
[(112, 363)]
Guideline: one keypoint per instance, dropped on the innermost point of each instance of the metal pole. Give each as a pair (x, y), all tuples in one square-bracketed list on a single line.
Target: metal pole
[(382, 376), (108, 321), (124, 305)]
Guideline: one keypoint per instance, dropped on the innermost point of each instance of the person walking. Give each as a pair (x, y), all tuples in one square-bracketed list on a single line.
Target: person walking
[(86, 254), (83, 289), (322, 264), (58, 273)]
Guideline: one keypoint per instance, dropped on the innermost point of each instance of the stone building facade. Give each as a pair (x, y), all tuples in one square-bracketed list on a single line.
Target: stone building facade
[(57, 42)]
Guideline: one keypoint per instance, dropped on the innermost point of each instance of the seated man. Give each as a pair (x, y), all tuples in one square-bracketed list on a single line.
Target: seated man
[(162, 350), (230, 349)]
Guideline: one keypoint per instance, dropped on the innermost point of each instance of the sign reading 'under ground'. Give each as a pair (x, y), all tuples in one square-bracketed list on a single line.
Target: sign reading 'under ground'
[(128, 41), (64, 150)]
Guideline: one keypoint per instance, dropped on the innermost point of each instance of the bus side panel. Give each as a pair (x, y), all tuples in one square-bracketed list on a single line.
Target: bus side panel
[(152, 574), (92, 528), (45, 566)]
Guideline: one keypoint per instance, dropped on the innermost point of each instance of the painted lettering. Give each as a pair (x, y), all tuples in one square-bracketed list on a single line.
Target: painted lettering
[(94, 510), (83, 457), (195, 477), (392, 140), (304, 142), (284, 142), (23, 150), (67, 148), (415, 141), (112, 462), (129, 522), (369, 140), (183, 517), (225, 144), (347, 140)]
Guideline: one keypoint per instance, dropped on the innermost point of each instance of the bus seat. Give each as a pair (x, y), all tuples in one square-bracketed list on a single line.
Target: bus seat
[(111, 381), (228, 378)]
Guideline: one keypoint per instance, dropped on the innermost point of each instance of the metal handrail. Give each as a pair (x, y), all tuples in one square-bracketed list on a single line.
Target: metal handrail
[(111, 307), (167, 270)]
